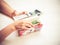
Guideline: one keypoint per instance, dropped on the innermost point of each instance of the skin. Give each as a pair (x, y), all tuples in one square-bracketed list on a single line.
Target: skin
[(17, 25)]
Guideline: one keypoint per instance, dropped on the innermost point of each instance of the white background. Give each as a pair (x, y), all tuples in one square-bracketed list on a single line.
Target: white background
[(50, 18)]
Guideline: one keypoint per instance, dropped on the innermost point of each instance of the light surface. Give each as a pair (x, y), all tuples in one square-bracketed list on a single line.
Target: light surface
[(50, 18)]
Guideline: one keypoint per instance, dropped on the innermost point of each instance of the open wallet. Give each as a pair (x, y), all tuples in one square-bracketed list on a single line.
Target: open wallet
[(32, 17)]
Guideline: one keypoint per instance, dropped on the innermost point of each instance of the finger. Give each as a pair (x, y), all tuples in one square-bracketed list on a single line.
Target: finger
[(24, 27), (29, 25), (18, 26)]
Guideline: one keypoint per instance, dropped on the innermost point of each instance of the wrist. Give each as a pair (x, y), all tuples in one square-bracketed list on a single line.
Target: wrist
[(13, 14)]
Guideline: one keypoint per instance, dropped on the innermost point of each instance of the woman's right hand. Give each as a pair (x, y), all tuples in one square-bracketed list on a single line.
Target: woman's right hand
[(23, 25)]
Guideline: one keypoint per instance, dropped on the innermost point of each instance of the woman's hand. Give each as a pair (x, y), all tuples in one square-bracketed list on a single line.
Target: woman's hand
[(23, 25), (16, 13)]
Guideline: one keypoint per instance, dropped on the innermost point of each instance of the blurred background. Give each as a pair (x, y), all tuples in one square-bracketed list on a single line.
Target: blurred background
[(50, 18)]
